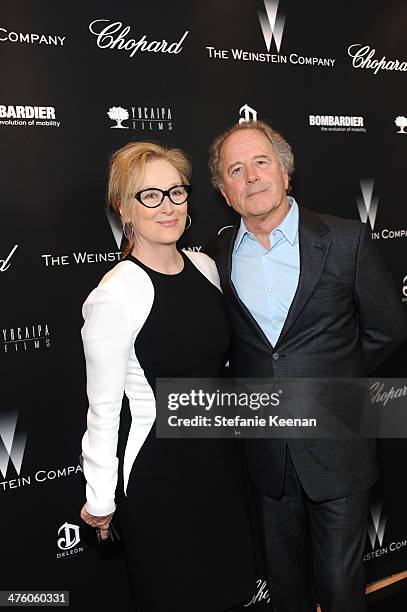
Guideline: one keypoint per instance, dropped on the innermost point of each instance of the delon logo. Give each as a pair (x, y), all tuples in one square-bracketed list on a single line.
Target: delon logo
[(118, 114), (401, 123), (12, 444), (247, 113), (404, 289), (272, 24), (70, 536), (367, 205), (376, 524)]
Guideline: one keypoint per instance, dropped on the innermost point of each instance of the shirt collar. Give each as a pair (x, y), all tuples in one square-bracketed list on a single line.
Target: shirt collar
[(288, 226)]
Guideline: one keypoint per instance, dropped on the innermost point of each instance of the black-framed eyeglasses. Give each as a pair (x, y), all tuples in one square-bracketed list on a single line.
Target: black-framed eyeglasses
[(153, 197)]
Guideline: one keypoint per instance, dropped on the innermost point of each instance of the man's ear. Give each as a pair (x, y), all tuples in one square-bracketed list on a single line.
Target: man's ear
[(224, 195)]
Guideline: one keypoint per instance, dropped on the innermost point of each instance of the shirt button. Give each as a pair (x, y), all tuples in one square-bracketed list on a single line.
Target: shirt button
[(275, 356), (270, 289)]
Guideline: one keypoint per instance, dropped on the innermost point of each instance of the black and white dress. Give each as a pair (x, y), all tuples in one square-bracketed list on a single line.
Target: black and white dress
[(183, 504)]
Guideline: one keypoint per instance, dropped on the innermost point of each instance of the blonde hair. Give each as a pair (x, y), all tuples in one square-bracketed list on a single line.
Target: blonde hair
[(279, 144), (126, 175)]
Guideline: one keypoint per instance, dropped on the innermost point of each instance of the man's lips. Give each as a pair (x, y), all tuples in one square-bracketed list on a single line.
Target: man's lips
[(256, 192)]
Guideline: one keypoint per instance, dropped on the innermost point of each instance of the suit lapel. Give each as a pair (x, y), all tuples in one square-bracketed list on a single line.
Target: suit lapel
[(314, 242)]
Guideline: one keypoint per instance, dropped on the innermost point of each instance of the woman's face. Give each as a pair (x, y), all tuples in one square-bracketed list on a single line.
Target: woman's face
[(165, 223)]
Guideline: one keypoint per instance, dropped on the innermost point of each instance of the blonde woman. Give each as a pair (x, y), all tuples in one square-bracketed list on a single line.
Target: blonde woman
[(182, 504)]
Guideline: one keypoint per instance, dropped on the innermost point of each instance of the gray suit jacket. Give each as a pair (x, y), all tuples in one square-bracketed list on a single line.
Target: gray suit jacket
[(345, 319)]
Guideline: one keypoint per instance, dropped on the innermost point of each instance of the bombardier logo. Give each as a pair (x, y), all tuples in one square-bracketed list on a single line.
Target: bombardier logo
[(272, 24), (12, 444), (368, 204)]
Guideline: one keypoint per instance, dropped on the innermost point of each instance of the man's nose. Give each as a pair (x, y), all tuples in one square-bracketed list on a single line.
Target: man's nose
[(251, 174)]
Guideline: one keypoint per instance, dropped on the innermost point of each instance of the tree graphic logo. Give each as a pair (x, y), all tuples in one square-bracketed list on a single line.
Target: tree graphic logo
[(118, 114), (401, 123)]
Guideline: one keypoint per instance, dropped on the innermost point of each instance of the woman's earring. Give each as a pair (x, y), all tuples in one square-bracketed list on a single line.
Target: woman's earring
[(132, 231), (190, 222)]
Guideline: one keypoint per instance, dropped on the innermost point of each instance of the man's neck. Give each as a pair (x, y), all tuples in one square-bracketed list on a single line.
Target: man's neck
[(262, 226)]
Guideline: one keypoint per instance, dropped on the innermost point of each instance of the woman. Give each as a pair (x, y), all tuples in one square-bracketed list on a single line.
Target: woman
[(182, 504)]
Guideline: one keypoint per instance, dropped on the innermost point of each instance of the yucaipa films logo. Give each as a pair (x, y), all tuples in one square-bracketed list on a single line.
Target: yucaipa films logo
[(272, 23), (142, 118), (367, 207), (401, 123), (113, 35), (28, 116), (26, 337)]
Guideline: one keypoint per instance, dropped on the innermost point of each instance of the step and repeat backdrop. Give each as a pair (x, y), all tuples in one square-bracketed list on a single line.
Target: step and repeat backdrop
[(78, 82)]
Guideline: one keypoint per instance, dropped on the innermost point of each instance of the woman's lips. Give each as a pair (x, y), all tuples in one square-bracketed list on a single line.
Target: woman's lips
[(168, 223)]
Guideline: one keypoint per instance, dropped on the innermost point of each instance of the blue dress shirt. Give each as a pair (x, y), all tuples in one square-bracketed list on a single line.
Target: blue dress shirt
[(266, 279)]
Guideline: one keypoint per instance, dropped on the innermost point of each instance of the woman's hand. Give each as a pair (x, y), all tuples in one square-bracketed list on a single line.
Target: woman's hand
[(102, 522)]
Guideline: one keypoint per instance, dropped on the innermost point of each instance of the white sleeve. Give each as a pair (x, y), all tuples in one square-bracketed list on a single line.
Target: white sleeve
[(107, 340)]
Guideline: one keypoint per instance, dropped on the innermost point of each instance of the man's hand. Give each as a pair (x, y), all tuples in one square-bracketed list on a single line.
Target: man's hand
[(102, 522)]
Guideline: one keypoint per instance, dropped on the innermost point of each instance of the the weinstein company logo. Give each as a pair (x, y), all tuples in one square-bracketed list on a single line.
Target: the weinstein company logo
[(31, 38), (113, 35), (247, 113), (70, 538), (272, 27), (401, 123), (144, 118), (367, 206), (116, 226), (12, 443), (364, 57), (377, 524), (272, 24)]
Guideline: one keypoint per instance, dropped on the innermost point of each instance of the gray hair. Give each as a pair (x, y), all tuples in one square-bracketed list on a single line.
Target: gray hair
[(279, 144)]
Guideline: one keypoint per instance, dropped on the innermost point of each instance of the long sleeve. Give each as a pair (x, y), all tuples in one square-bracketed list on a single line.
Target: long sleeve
[(107, 340), (382, 322)]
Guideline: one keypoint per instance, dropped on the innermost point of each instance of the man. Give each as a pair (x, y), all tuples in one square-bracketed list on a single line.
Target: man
[(308, 297)]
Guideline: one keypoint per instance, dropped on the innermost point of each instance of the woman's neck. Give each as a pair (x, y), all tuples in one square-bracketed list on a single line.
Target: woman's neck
[(160, 257)]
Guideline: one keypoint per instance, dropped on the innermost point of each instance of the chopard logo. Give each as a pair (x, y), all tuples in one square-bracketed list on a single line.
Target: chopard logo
[(113, 35), (363, 57), (5, 263)]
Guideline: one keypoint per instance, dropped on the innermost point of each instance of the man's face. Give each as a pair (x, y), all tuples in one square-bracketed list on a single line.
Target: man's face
[(254, 184)]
